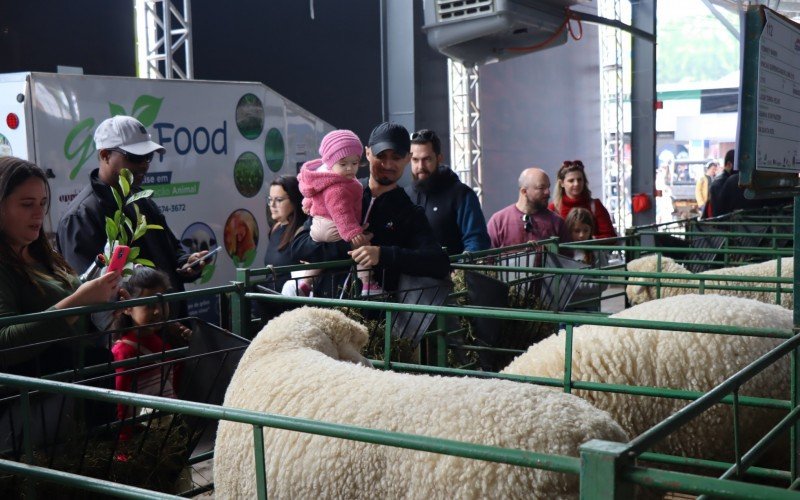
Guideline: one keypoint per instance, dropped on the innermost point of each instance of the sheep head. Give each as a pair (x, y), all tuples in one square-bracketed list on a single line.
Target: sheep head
[(638, 294), (325, 330)]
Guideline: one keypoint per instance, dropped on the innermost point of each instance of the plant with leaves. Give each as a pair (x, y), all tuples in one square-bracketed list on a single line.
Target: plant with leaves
[(120, 229)]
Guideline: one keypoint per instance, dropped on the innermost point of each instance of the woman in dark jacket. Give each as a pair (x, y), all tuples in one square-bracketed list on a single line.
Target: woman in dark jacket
[(286, 217)]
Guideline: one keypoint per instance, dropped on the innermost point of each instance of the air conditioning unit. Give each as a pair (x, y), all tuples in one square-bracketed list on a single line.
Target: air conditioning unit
[(483, 31)]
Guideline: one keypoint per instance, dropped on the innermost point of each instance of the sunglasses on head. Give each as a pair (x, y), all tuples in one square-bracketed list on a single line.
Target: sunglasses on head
[(134, 158), (425, 135), (572, 164)]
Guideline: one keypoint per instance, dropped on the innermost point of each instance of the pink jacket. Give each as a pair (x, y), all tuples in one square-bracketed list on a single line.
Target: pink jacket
[(332, 196)]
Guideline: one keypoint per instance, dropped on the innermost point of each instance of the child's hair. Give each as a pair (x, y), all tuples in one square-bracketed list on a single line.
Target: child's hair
[(143, 278), (580, 215)]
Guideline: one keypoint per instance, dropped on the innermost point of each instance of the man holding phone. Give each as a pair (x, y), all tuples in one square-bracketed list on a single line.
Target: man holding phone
[(123, 142)]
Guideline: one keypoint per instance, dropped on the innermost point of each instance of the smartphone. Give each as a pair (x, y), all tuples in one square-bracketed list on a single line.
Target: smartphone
[(207, 256), (118, 258)]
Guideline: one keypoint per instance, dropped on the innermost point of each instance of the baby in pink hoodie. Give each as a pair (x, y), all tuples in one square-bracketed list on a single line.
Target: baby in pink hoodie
[(332, 195)]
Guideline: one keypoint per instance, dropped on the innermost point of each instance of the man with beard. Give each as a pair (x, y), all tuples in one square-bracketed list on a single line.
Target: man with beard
[(402, 241), (528, 219), (452, 208)]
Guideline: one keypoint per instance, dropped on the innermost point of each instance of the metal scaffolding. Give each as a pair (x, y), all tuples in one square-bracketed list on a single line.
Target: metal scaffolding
[(164, 39), (465, 125), (616, 190)]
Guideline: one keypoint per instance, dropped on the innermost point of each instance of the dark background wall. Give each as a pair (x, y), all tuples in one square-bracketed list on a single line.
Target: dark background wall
[(38, 35), (329, 65)]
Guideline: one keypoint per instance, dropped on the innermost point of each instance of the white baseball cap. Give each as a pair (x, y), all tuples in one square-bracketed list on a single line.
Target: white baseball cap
[(126, 133)]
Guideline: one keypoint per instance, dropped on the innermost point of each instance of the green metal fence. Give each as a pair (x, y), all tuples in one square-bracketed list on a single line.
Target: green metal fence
[(593, 465)]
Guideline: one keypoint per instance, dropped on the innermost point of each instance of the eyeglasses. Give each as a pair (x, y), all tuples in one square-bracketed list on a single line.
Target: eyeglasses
[(276, 201), (134, 158), (526, 218)]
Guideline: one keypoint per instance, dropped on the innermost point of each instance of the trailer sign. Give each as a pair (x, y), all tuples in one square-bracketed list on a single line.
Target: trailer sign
[(224, 141)]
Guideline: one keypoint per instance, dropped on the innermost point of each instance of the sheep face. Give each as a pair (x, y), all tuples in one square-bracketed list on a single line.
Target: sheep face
[(325, 330), (638, 294)]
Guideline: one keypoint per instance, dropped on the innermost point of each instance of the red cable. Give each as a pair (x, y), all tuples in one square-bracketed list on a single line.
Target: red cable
[(566, 24)]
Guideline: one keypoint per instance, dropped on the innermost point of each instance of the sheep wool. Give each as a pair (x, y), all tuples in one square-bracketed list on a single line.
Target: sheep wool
[(304, 364), (677, 360), (638, 294)]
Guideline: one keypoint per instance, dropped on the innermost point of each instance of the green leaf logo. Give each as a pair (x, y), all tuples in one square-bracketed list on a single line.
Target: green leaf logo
[(80, 143), (146, 109), (116, 109)]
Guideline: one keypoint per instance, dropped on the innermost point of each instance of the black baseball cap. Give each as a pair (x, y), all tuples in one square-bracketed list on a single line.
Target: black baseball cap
[(389, 136)]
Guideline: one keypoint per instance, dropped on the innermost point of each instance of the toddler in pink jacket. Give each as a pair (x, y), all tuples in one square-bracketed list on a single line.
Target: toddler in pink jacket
[(332, 195)]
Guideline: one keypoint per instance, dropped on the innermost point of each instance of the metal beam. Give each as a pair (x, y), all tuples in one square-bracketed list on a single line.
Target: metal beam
[(643, 114), (728, 25)]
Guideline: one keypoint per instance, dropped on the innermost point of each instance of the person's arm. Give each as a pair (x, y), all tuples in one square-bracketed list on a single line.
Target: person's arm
[(79, 242), (423, 256), (341, 201), (494, 232), (123, 380), (605, 228), (472, 223), (306, 249), (12, 297)]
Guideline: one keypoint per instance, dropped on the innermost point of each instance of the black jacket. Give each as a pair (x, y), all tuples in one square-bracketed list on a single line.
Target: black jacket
[(401, 230), (453, 210), (715, 193), (81, 232)]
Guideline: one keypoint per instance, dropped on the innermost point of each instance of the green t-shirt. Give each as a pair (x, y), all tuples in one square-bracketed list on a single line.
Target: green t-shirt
[(19, 296)]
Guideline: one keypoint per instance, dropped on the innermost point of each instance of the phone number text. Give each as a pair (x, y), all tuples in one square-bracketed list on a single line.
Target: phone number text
[(175, 207)]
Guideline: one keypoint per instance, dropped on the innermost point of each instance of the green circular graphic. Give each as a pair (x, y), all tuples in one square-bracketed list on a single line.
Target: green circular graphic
[(5, 146), (274, 149), (241, 237), (250, 116), (248, 174)]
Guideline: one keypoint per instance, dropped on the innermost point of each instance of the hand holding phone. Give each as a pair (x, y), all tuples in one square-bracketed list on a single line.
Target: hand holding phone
[(119, 257), (204, 258)]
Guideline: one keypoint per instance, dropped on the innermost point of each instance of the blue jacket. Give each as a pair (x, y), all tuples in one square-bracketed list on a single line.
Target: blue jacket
[(453, 210)]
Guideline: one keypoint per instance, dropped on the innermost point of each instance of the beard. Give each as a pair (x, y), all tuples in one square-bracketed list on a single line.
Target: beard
[(539, 205), (385, 181)]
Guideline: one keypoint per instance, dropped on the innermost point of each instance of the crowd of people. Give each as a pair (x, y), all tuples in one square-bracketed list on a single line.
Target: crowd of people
[(323, 214)]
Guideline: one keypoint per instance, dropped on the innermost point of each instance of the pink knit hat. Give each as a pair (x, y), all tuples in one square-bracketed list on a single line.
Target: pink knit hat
[(339, 144)]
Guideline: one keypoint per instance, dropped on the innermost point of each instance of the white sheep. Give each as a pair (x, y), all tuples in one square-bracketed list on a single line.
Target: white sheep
[(295, 367), (638, 294), (677, 360)]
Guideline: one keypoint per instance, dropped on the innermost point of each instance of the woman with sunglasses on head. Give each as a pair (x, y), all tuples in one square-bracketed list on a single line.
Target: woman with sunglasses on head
[(572, 190)]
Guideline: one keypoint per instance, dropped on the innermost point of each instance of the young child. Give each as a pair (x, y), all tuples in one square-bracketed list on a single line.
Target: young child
[(581, 226), (140, 339), (332, 195)]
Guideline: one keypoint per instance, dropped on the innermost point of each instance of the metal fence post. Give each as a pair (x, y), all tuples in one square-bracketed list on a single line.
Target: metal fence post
[(240, 307), (600, 467)]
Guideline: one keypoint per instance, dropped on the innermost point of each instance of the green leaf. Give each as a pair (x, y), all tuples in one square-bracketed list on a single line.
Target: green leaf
[(136, 211), (129, 225), (117, 197), (144, 262), (111, 229), (116, 109), (124, 184), (207, 273), (145, 193), (123, 238), (146, 109), (135, 251), (154, 226)]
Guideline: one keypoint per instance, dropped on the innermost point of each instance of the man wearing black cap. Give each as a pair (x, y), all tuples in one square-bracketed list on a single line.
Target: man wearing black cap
[(402, 241)]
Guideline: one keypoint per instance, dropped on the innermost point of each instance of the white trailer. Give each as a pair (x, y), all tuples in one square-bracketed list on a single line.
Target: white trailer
[(225, 142)]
